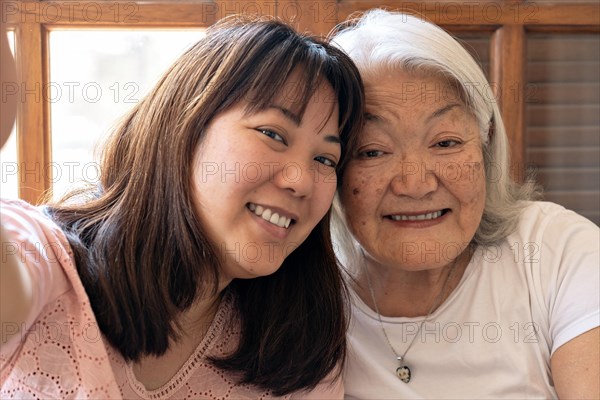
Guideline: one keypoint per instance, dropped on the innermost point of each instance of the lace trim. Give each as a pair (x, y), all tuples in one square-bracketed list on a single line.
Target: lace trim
[(180, 378)]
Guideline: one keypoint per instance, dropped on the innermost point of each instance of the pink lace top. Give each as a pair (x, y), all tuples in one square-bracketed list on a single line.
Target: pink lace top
[(60, 352)]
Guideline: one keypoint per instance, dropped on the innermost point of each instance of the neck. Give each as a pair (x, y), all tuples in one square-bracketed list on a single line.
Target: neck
[(402, 293), (196, 320), (153, 372)]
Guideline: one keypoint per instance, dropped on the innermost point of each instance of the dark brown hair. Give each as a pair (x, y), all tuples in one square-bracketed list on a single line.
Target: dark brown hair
[(140, 250)]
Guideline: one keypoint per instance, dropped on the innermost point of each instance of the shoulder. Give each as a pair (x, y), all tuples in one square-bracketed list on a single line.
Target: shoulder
[(551, 238), (22, 220), (548, 212), (18, 207), (40, 245), (33, 236), (44, 253), (36, 239), (558, 240), (560, 256), (544, 222)]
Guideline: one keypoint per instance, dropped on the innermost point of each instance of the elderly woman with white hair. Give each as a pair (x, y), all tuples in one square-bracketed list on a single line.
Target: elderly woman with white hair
[(463, 286)]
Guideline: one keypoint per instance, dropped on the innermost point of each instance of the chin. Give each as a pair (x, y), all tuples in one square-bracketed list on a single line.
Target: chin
[(257, 269)]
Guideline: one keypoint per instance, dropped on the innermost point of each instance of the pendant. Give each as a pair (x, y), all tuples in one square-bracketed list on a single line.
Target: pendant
[(403, 373)]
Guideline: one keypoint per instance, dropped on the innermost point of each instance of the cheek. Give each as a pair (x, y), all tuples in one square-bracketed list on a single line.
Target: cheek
[(472, 207), (467, 178), (322, 198), (197, 180), (475, 180), (358, 196), (328, 194), (354, 188)]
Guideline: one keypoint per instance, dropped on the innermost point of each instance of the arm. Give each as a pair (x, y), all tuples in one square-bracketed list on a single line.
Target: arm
[(576, 367), (31, 271), (8, 76), (16, 295), (573, 304)]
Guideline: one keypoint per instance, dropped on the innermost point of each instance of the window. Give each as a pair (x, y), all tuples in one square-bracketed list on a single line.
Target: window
[(95, 78), (563, 118)]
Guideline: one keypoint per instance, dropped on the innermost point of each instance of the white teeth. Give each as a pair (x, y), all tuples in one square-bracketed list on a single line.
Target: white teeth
[(281, 222), (274, 218), (270, 216), (267, 215), (421, 217)]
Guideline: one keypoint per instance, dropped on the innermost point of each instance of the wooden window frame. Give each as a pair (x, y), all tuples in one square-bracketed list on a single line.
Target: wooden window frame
[(507, 21)]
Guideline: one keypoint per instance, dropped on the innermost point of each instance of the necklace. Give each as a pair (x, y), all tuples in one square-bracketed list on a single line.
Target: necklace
[(403, 371)]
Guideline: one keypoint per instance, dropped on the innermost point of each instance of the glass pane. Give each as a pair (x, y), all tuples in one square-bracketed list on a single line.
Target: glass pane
[(8, 155), (563, 118), (96, 77)]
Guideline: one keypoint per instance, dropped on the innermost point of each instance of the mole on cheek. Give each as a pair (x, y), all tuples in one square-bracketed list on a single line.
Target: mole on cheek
[(355, 191)]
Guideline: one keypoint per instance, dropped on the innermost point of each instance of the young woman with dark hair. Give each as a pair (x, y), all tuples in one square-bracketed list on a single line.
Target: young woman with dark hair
[(201, 264)]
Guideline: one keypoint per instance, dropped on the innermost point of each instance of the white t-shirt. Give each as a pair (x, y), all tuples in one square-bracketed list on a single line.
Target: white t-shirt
[(516, 303)]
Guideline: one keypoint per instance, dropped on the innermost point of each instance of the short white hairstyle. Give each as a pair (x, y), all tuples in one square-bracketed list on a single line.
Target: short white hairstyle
[(380, 41)]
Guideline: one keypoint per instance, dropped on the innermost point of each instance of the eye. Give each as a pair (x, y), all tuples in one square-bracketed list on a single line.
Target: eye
[(447, 143), (273, 135), (326, 161), (370, 117), (370, 153)]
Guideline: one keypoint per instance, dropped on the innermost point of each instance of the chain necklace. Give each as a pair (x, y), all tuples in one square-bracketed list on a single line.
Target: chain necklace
[(403, 371)]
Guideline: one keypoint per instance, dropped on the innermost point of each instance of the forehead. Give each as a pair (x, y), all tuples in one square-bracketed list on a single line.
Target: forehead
[(400, 90), (293, 91), (318, 104), (297, 93)]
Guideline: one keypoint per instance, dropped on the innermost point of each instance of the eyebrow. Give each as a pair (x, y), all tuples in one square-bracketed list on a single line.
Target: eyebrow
[(296, 120), (441, 111), (287, 113), (333, 139), (372, 117)]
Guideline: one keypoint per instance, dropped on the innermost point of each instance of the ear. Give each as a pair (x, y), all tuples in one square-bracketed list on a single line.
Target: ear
[(491, 130)]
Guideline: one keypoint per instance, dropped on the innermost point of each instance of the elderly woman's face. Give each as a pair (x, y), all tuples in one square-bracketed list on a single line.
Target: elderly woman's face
[(414, 193)]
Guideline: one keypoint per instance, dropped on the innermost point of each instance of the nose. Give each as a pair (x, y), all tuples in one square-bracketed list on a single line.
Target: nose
[(297, 178), (414, 179)]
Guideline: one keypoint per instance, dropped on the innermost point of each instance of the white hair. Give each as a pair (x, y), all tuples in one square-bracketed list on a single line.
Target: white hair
[(381, 41)]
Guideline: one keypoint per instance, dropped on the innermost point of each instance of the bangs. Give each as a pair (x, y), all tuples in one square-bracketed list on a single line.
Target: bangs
[(290, 80), (265, 65)]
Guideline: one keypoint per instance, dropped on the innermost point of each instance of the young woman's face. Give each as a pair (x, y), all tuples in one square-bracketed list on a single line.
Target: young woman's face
[(263, 181), (414, 193)]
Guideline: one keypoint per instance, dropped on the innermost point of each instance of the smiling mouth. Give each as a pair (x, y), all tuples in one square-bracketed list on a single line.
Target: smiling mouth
[(270, 216), (418, 217)]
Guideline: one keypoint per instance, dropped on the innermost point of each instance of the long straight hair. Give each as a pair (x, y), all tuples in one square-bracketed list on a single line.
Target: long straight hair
[(141, 253)]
